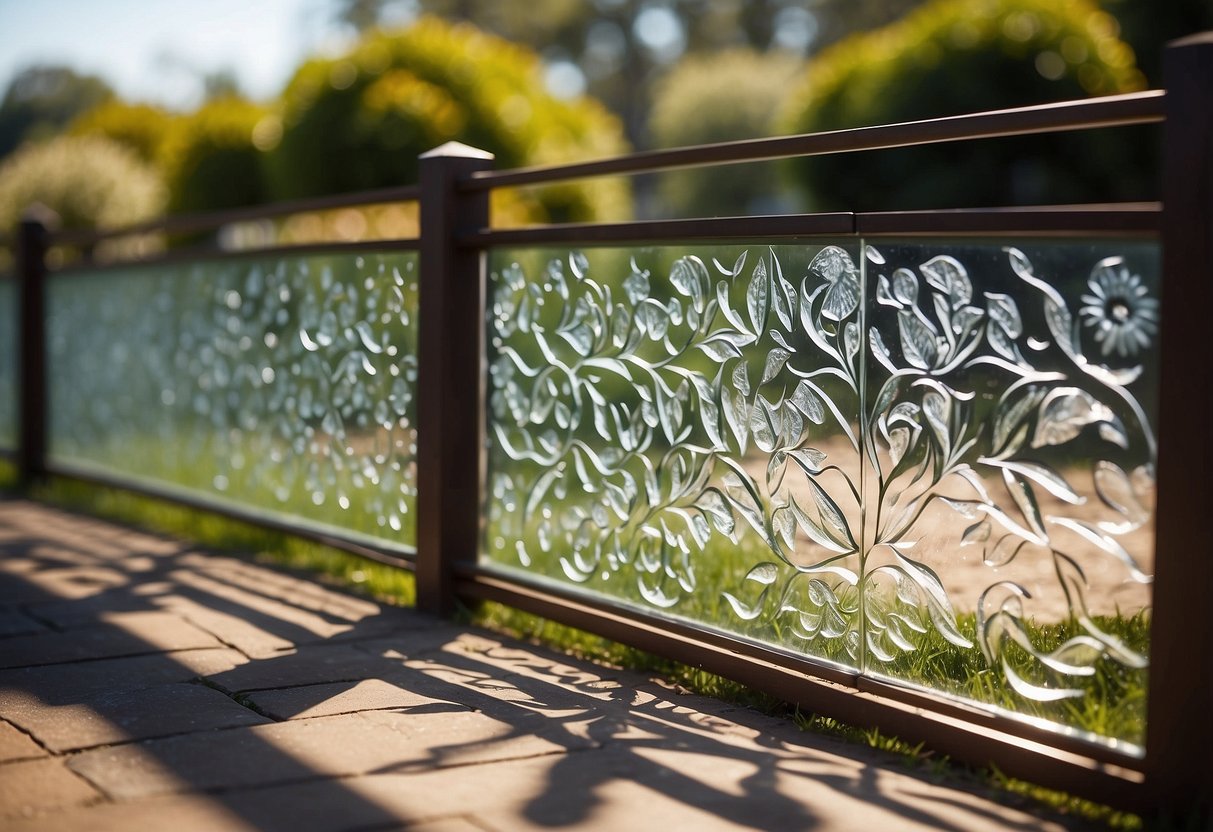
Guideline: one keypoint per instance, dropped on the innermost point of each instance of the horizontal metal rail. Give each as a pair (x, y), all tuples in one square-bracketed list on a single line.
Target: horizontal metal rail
[(190, 223), (965, 734), (1110, 111), (402, 556), (210, 255), (793, 225), (830, 672), (1133, 219), (1119, 219)]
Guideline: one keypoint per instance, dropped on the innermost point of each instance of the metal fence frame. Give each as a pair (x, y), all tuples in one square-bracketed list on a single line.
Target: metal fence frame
[(1176, 773)]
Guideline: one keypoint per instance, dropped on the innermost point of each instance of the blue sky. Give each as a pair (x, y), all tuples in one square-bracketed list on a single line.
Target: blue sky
[(155, 50)]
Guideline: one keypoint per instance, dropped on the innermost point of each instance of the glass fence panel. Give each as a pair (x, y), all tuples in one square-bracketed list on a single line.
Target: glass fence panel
[(932, 463), (283, 385), (655, 415), (1010, 398), (8, 363)]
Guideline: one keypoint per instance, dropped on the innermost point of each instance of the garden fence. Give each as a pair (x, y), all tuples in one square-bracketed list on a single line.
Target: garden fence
[(940, 472)]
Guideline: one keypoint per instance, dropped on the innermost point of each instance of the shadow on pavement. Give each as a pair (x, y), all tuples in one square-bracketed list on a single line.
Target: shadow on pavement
[(147, 683)]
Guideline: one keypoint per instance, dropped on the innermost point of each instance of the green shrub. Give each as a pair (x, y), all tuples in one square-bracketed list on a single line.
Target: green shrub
[(956, 56), (210, 158), (720, 97), (141, 127), (360, 120), (88, 181)]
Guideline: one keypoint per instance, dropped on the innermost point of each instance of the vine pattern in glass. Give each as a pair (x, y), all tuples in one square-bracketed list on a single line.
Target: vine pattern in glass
[(875, 425)]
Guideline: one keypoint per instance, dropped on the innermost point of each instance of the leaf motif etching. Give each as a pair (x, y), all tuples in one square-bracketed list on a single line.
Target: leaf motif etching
[(818, 447)]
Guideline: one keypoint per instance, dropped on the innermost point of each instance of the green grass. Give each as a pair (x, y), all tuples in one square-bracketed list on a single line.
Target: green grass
[(396, 586), (1113, 703), (383, 582)]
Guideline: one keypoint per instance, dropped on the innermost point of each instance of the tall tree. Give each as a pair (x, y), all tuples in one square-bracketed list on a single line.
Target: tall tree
[(40, 100)]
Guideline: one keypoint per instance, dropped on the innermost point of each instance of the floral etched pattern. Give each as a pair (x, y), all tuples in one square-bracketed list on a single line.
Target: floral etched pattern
[(905, 449), (286, 384)]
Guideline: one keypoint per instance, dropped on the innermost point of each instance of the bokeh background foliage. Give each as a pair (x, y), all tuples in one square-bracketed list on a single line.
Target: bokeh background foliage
[(956, 56), (553, 81), (361, 120)]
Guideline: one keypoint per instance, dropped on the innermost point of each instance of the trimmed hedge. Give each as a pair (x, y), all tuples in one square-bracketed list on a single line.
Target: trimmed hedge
[(360, 120), (211, 160), (955, 56), (720, 97)]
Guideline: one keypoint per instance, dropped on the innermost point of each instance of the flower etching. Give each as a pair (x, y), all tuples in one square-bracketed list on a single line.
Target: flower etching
[(1119, 309), (850, 427)]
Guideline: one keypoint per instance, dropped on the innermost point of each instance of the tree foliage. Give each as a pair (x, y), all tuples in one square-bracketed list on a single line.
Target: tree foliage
[(141, 127), (87, 180), (720, 97), (1148, 25), (621, 47), (211, 160), (956, 56), (40, 100), (361, 120)]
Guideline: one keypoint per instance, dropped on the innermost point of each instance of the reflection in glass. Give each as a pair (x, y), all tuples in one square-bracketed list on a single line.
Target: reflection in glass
[(283, 385), (931, 463)]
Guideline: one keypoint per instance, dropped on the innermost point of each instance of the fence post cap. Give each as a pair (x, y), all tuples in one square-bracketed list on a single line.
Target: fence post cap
[(457, 150), (41, 214), (1193, 39)]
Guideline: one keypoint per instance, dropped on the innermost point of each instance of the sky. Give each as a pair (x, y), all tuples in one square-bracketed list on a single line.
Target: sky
[(157, 50)]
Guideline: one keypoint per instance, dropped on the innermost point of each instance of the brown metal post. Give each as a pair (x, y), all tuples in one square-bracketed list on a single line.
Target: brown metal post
[(1179, 733), (450, 380), (31, 329)]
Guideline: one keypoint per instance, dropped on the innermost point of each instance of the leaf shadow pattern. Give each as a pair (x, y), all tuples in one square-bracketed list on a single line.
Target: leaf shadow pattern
[(529, 737)]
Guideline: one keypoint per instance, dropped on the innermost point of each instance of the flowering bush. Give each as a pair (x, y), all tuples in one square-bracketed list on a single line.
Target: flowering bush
[(87, 180)]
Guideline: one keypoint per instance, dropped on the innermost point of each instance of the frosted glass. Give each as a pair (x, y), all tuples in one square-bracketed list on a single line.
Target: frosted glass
[(281, 385)]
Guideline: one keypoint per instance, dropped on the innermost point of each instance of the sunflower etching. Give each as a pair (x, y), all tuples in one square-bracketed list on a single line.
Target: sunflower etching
[(1119, 309)]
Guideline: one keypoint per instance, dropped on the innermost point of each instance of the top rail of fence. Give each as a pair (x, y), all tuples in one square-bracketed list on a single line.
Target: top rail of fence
[(191, 223), (1109, 111), (1065, 116)]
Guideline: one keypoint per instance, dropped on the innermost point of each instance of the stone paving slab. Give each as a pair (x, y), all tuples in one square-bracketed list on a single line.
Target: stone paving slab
[(118, 715), (118, 634), (14, 622), (337, 746), (65, 684), (17, 745), (261, 700), (32, 786), (346, 698)]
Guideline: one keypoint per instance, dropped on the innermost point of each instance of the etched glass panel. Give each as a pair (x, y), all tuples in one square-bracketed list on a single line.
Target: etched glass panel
[(282, 385), (659, 419), (932, 463), (8, 363), (1011, 393)]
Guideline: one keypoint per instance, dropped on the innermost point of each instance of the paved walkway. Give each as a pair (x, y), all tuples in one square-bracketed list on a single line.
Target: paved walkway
[(147, 684)]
